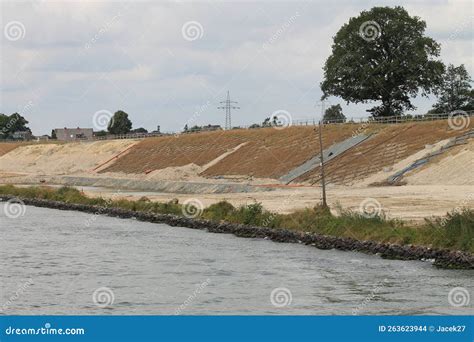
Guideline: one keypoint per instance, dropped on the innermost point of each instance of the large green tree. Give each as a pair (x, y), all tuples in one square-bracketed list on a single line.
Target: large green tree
[(120, 123), (455, 92), (382, 55)]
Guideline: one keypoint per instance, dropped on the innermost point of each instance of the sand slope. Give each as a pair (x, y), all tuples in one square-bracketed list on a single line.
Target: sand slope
[(454, 167), (57, 159)]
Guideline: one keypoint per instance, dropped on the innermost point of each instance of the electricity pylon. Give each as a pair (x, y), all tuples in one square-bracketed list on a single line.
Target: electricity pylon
[(228, 106)]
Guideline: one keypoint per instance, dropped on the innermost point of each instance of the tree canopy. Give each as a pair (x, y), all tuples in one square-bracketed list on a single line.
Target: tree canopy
[(455, 92), (120, 123), (139, 130), (334, 114), (10, 124), (382, 55), (270, 121)]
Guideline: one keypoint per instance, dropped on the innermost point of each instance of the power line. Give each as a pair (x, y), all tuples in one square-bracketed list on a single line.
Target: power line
[(228, 106)]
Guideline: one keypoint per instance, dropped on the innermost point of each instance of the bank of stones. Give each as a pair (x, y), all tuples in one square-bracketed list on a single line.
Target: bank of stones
[(443, 258)]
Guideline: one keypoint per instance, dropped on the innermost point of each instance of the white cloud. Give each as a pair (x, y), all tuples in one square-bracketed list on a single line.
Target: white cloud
[(79, 57)]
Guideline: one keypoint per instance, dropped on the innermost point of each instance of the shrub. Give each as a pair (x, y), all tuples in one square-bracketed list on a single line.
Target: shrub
[(455, 230), (218, 211)]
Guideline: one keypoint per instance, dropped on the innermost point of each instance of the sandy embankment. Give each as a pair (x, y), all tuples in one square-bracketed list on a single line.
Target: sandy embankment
[(61, 159), (455, 167), (442, 185), (62, 163), (433, 190)]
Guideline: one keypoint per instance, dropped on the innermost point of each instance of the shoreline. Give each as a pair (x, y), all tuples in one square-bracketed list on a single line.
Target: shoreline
[(408, 203), (443, 258)]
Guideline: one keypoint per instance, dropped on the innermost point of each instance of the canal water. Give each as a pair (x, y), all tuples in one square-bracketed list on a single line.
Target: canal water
[(65, 262)]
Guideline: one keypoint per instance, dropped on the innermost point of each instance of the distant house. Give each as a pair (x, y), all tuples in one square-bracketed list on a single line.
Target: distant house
[(157, 131), (44, 137), (211, 128), (73, 134), (22, 135)]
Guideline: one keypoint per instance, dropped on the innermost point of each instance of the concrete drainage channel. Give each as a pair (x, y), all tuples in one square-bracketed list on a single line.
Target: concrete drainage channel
[(330, 153)]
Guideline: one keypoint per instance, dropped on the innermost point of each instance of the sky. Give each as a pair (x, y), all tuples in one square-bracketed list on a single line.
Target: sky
[(72, 63)]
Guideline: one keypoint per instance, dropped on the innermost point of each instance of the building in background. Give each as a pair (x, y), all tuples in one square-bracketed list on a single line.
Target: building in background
[(157, 131), (211, 128), (73, 134), (44, 137), (22, 135)]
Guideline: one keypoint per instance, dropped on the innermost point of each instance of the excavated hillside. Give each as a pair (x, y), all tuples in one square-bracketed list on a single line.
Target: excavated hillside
[(268, 152), (272, 153), (290, 155), (277, 167), (382, 150), (7, 147)]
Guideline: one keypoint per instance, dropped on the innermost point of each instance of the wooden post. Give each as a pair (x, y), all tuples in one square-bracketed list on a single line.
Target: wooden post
[(323, 183)]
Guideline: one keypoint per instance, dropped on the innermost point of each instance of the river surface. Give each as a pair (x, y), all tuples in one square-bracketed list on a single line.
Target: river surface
[(65, 262)]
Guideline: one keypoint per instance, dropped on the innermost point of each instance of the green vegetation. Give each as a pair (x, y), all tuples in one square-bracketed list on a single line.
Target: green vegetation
[(197, 128), (383, 55), (455, 92), (252, 214), (455, 231), (120, 123), (72, 195), (334, 114), (11, 124)]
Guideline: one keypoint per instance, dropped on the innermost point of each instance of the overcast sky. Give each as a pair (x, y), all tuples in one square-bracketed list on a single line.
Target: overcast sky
[(170, 63)]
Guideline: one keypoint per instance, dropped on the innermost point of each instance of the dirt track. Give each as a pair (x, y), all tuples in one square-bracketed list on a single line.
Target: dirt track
[(405, 202)]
